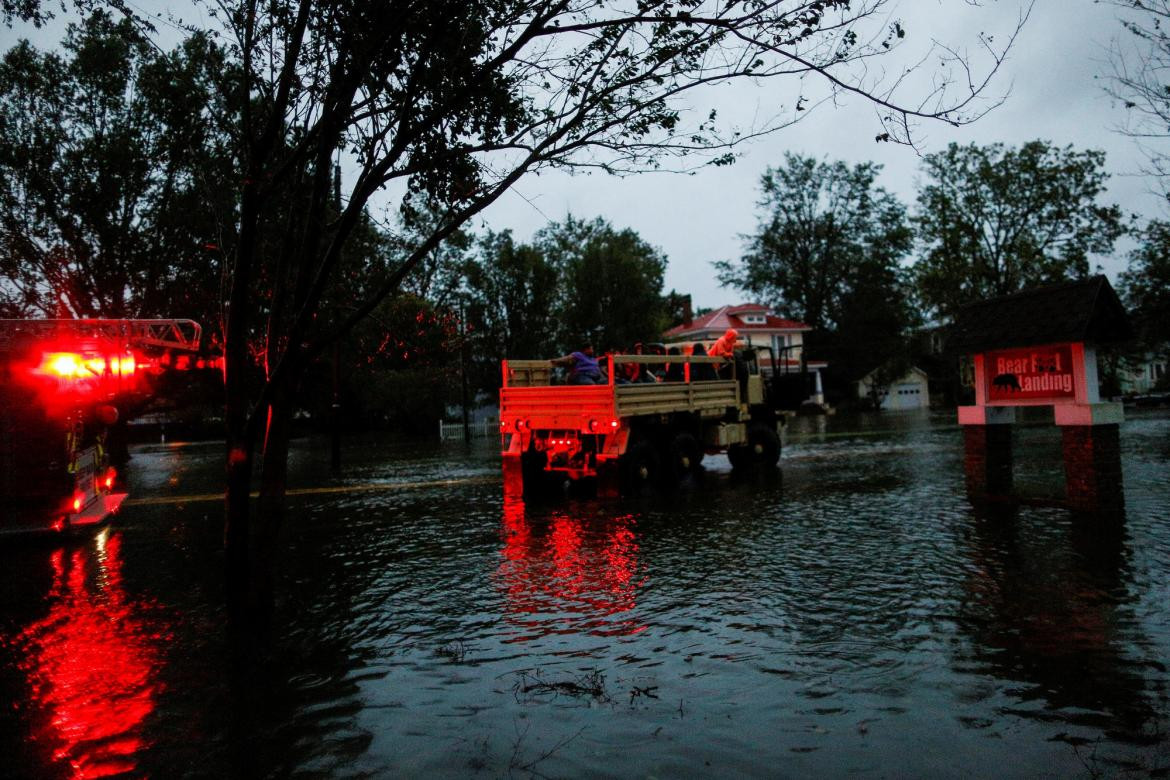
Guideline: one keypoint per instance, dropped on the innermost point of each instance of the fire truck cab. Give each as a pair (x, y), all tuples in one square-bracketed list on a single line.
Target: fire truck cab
[(631, 436), (64, 384)]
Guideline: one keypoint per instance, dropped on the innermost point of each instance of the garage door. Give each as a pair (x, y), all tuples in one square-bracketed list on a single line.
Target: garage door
[(905, 396)]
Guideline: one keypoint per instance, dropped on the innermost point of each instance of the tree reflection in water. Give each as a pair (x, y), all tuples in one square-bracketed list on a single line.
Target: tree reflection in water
[(564, 573), (1048, 607), (91, 664)]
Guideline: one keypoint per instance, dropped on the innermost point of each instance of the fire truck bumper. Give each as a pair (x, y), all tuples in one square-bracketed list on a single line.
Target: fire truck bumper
[(99, 510)]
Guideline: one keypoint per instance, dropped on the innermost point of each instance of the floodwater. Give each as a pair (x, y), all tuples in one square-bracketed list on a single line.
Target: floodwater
[(849, 614)]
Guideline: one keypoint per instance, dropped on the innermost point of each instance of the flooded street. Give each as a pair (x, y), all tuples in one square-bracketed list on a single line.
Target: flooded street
[(848, 614)]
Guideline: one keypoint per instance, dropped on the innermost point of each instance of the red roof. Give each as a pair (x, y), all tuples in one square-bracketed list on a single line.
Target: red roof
[(732, 317)]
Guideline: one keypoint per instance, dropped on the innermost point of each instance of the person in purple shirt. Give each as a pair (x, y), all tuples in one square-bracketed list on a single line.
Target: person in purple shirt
[(583, 367)]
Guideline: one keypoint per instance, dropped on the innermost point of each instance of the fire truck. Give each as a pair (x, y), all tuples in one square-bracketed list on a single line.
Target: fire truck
[(64, 385), (631, 436)]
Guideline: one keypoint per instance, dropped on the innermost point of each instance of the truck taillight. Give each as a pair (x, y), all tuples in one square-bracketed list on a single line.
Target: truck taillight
[(108, 479), (78, 502)]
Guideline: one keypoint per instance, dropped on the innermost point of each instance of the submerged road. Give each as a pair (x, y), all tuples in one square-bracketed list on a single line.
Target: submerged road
[(849, 614)]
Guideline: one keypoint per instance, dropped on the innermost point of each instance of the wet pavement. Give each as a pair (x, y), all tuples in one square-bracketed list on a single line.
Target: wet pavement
[(849, 614)]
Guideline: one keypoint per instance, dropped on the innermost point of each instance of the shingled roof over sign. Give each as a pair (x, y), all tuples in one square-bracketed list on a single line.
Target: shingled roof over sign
[(1087, 311)]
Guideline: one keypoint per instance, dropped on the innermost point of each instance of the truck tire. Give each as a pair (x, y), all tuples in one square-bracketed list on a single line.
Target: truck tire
[(684, 457), (639, 468), (763, 445)]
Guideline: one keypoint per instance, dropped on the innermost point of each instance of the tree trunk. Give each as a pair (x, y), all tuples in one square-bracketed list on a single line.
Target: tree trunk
[(236, 525), (270, 516)]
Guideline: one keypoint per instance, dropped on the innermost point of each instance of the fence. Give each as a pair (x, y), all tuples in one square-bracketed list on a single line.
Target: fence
[(452, 431)]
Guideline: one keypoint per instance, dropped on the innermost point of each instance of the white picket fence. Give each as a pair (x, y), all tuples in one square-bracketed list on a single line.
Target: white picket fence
[(453, 431)]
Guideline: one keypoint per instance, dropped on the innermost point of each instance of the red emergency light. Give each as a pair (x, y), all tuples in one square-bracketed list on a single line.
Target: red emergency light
[(77, 365)]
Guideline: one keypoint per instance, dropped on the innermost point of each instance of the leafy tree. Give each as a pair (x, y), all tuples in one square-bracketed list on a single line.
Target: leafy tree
[(1145, 288), (114, 176), (679, 310), (513, 305), (438, 275), (405, 360), (611, 284), (826, 229), (1138, 81), (460, 99), (872, 334), (993, 220)]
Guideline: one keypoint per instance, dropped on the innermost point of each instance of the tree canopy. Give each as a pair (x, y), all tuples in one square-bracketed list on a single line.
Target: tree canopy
[(992, 220), (1138, 80), (513, 305), (825, 229), (114, 175), (610, 284), (1145, 287)]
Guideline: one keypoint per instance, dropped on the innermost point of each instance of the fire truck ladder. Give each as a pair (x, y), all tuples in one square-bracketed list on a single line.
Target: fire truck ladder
[(164, 334)]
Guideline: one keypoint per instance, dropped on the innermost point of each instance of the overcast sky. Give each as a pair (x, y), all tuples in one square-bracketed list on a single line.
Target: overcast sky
[(1055, 76)]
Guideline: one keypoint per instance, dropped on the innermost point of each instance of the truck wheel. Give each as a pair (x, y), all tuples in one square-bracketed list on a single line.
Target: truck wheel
[(639, 468), (685, 456), (740, 455), (764, 445)]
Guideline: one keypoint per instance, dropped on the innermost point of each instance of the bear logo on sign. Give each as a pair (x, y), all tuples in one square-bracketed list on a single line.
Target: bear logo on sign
[(1007, 382)]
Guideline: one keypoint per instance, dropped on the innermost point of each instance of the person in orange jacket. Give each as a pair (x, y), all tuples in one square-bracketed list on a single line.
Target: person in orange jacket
[(724, 346)]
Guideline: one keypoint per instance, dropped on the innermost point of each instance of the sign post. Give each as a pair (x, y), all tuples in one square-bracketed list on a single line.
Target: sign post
[(1037, 348)]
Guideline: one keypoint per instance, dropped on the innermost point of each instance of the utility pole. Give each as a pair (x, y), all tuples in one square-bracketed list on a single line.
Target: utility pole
[(335, 407), (463, 367)]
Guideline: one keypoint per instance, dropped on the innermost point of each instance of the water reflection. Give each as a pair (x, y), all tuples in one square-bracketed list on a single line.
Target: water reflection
[(1047, 606), (91, 664), (563, 572)]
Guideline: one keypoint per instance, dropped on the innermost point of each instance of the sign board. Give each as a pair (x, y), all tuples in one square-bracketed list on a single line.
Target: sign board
[(1030, 374)]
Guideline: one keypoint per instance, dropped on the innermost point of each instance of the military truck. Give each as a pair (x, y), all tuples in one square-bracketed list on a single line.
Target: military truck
[(631, 436)]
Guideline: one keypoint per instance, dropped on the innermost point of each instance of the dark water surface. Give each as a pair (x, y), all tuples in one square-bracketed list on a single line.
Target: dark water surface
[(850, 614)]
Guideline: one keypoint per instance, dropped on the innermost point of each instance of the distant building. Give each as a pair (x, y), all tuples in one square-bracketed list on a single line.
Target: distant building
[(1143, 376), (758, 326), (910, 391)]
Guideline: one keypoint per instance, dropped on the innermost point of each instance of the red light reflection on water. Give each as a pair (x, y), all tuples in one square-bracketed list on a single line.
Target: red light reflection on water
[(91, 665), (569, 575)]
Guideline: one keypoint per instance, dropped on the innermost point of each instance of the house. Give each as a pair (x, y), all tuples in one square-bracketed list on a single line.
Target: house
[(758, 326), (909, 391), (1144, 375)]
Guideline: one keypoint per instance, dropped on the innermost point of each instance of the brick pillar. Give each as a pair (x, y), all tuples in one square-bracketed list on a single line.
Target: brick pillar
[(987, 460), (1092, 468)]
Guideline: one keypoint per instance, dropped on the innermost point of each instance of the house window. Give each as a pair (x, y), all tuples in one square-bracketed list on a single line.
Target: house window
[(755, 319)]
